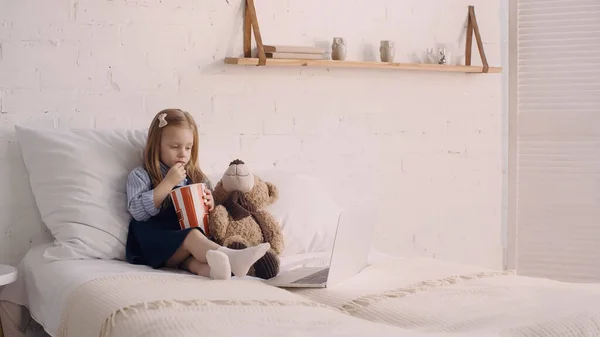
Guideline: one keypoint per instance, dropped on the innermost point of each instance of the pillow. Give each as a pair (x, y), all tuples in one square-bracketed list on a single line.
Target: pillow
[(78, 180), (306, 211)]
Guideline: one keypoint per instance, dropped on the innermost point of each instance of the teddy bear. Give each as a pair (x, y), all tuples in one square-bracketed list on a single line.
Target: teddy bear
[(240, 220)]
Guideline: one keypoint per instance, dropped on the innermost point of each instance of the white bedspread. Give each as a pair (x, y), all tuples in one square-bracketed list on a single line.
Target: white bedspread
[(188, 306), (426, 295), (418, 295), (44, 287)]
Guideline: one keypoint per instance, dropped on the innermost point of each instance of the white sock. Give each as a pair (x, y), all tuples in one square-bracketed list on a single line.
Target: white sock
[(242, 259), (220, 269)]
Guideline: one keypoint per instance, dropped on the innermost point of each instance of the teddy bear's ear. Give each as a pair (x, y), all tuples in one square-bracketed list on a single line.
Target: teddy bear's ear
[(273, 192)]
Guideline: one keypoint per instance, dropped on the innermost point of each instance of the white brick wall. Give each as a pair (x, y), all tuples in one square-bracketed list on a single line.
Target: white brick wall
[(427, 146)]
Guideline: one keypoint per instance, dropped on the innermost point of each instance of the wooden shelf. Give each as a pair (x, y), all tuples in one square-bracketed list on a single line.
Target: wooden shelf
[(251, 26), (245, 61)]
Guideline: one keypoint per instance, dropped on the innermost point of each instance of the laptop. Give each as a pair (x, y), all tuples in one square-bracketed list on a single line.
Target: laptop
[(349, 255)]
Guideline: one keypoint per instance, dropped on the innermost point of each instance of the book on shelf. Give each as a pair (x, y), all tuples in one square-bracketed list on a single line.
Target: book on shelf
[(293, 49), (294, 56)]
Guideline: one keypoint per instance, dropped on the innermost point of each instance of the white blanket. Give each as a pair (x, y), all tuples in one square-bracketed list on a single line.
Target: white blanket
[(182, 305), (426, 295), (44, 287), (421, 295)]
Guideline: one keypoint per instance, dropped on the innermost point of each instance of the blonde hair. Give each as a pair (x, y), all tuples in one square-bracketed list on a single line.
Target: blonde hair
[(174, 117)]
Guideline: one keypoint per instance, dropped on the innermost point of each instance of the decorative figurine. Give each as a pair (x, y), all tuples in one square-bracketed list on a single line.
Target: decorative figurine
[(429, 55), (338, 49), (442, 58)]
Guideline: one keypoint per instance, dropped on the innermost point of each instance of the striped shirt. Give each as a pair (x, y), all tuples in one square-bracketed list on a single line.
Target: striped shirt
[(140, 194)]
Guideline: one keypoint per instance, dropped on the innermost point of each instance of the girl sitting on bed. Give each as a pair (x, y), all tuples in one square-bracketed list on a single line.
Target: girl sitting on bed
[(155, 238)]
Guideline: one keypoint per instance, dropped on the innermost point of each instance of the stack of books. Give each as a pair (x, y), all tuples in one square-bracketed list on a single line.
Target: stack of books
[(294, 52)]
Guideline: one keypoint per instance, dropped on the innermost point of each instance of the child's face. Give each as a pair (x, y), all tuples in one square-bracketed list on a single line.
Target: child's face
[(176, 145)]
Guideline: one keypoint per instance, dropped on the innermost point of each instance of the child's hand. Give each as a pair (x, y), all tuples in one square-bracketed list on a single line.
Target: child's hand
[(176, 174), (209, 200)]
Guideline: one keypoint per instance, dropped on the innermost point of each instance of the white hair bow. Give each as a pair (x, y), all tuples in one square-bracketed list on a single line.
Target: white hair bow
[(162, 121)]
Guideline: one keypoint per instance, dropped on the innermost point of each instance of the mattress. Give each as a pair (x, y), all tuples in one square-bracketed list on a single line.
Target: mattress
[(44, 287)]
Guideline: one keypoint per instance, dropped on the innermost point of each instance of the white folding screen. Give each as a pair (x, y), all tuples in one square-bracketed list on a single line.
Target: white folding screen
[(558, 137)]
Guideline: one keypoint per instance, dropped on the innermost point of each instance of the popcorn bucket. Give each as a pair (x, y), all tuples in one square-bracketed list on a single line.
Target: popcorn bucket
[(190, 207)]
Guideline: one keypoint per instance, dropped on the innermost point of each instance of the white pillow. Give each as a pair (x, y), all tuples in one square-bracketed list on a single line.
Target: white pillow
[(78, 180), (306, 211)]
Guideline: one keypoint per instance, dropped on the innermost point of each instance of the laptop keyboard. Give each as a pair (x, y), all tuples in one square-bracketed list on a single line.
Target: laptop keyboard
[(315, 278)]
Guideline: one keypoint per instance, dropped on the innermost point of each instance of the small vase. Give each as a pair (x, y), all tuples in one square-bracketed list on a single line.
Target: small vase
[(386, 51), (338, 49)]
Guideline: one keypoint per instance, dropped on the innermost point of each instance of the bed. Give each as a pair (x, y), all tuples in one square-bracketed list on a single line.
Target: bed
[(392, 296), (79, 285), (113, 298)]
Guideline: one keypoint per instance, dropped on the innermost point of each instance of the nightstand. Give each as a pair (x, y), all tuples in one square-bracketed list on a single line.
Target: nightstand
[(8, 275)]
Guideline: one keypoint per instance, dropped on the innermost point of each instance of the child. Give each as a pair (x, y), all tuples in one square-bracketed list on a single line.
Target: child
[(155, 238)]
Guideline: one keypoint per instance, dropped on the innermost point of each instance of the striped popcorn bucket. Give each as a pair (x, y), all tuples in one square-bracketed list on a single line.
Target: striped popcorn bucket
[(190, 207)]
